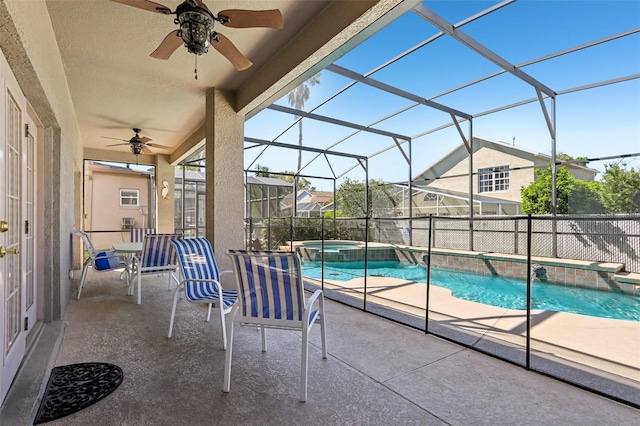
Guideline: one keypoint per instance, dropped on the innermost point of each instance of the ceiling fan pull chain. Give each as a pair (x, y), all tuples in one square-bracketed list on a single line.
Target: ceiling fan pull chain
[(196, 69)]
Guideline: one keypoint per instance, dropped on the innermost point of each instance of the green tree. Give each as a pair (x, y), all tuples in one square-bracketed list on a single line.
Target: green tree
[(574, 196), (620, 188), (297, 97), (582, 161), (351, 198), (303, 183)]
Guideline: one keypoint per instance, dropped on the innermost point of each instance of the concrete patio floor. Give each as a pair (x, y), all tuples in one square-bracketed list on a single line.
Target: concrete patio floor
[(377, 372)]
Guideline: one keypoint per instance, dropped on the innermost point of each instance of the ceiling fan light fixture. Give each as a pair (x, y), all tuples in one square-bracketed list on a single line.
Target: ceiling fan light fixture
[(195, 30), (136, 148)]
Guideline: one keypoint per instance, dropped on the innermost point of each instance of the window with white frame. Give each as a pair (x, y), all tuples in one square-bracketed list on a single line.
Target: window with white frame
[(493, 179), (129, 197)]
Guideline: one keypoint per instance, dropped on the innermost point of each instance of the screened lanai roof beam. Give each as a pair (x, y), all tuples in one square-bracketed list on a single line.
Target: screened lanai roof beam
[(443, 25), (335, 121), (368, 125), (538, 60), (351, 168), (462, 136), (404, 154), (440, 34), (303, 148), (530, 100), (330, 167), (346, 171), (599, 84), (394, 90), (391, 61), (545, 112)]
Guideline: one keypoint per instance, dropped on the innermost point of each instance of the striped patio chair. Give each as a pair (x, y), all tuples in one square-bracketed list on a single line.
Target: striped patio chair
[(137, 234), (271, 295), (158, 257), (99, 261), (200, 280)]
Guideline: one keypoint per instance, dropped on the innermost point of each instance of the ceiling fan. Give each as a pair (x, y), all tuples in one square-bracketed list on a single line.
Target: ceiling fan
[(138, 144), (196, 32)]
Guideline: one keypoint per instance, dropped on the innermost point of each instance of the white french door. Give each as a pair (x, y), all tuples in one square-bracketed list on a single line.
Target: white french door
[(18, 294), (30, 305)]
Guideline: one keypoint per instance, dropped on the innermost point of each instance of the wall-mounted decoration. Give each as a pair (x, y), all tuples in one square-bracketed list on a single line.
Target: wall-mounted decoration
[(165, 190)]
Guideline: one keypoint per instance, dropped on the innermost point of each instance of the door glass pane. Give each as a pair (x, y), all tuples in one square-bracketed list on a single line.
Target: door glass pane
[(13, 211)]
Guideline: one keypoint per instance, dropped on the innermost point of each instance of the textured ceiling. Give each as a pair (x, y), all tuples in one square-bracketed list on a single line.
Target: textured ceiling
[(115, 85)]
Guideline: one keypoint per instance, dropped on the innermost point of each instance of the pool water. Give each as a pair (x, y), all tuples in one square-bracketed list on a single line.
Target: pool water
[(492, 290)]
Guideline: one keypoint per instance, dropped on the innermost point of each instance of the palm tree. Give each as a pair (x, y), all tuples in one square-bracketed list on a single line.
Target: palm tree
[(262, 171), (297, 97)]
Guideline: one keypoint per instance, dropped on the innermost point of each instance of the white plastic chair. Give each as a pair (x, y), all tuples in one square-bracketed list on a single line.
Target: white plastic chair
[(99, 261), (158, 256), (200, 280), (271, 295)]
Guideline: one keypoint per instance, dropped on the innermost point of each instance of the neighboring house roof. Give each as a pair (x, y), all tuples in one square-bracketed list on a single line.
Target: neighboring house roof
[(100, 166), (463, 195), (317, 198), (308, 207), (251, 180), (302, 194), (460, 153), (190, 175), (259, 180)]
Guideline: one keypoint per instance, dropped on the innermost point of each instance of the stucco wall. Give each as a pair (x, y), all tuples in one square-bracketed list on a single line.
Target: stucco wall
[(225, 183), (165, 207), (28, 42)]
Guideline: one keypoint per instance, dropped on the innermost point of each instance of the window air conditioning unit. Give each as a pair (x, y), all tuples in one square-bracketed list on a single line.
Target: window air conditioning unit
[(128, 223)]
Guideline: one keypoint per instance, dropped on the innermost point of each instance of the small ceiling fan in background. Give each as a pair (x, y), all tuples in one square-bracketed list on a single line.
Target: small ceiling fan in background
[(138, 144), (196, 32)]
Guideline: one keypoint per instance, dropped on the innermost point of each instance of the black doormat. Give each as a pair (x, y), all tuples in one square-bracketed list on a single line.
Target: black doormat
[(74, 387)]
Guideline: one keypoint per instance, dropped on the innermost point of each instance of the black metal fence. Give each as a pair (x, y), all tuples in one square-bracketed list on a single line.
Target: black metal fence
[(613, 239), (595, 353)]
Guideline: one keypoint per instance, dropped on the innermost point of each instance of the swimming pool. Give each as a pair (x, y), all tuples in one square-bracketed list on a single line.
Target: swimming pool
[(492, 290)]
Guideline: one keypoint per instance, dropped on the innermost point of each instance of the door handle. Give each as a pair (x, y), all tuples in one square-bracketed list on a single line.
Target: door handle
[(4, 226), (4, 251)]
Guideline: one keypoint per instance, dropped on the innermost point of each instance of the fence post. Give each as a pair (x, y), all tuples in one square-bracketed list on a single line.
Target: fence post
[(432, 231), (426, 308), (269, 232), (515, 233), (529, 232), (291, 233), (366, 259)]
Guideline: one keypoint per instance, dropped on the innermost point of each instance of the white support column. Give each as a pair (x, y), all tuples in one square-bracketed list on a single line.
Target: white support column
[(224, 132)]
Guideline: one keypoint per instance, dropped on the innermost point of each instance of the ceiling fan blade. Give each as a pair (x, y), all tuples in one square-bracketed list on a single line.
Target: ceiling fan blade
[(155, 145), (231, 52), (146, 5), (118, 144), (239, 18), (169, 45), (146, 150), (144, 139), (115, 139)]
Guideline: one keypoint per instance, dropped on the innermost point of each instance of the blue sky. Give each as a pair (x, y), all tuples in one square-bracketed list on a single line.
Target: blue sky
[(599, 122)]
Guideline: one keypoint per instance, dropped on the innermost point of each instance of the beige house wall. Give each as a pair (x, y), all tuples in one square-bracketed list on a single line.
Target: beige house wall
[(485, 158), (451, 173)]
